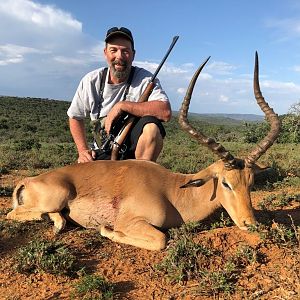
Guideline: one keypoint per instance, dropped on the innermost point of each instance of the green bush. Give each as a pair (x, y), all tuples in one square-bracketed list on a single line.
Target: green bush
[(182, 262), (50, 144), (215, 273), (290, 130), (26, 144), (93, 287), (6, 191), (44, 256)]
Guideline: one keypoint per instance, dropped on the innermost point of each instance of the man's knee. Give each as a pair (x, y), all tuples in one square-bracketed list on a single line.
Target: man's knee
[(151, 132), (150, 143)]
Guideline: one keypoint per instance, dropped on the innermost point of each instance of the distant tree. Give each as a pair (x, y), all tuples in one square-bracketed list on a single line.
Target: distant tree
[(295, 109), (27, 144), (291, 125), (290, 128), (3, 123), (254, 132)]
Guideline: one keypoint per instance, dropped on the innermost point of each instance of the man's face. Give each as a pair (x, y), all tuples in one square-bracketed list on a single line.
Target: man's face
[(119, 55)]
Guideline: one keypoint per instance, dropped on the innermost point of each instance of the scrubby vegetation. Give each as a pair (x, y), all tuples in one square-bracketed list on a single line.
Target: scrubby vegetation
[(34, 134), (208, 260)]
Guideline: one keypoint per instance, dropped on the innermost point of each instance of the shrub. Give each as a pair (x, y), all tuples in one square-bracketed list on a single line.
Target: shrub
[(278, 200), (182, 261), (43, 256), (27, 144), (92, 287), (6, 191), (279, 234), (10, 228)]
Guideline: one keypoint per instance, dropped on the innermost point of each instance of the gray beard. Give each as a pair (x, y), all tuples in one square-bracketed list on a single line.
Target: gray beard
[(122, 75)]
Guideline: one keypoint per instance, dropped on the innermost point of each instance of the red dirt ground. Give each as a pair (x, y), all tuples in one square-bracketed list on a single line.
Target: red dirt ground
[(133, 271)]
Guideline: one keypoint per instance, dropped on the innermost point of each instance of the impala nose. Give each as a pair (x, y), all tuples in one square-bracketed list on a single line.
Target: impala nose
[(247, 222)]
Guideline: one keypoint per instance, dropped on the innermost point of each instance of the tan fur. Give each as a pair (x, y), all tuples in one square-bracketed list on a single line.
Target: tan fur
[(129, 200)]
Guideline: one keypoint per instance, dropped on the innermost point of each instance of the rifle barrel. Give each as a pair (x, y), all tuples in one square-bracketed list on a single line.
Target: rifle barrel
[(175, 38)]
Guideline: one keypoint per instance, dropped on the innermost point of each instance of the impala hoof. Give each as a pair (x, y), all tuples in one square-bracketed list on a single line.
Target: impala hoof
[(105, 231), (10, 215)]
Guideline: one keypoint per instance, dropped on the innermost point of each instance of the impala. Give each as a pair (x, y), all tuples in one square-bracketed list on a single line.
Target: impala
[(134, 201)]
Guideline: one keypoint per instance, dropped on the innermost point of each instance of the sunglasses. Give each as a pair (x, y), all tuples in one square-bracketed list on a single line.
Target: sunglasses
[(119, 29)]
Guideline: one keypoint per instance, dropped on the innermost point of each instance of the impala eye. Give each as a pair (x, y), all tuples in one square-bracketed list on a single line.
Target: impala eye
[(226, 185)]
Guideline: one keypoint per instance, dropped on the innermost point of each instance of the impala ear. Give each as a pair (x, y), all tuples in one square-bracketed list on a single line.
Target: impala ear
[(193, 183), (259, 168), (264, 174), (203, 176)]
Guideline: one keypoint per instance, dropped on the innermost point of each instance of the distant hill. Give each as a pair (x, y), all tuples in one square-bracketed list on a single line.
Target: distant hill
[(10, 108), (240, 117), (225, 119)]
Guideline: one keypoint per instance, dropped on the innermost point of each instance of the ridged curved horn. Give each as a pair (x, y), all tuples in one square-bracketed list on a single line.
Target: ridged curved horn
[(271, 117), (210, 143)]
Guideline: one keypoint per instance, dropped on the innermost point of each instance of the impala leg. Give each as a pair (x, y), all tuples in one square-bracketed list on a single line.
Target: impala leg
[(141, 234), (22, 214), (59, 221)]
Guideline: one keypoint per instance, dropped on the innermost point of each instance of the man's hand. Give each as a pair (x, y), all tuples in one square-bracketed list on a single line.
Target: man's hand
[(115, 112), (156, 108), (78, 133), (86, 156)]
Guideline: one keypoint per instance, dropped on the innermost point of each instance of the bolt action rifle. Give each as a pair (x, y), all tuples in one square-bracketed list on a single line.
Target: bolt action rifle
[(125, 122)]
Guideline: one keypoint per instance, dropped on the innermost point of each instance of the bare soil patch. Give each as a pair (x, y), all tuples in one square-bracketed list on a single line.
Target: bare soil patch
[(275, 274)]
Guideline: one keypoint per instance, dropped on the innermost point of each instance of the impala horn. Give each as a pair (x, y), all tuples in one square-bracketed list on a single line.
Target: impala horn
[(271, 117), (210, 143)]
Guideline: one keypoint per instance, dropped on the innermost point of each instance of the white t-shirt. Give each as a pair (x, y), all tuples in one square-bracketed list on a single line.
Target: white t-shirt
[(87, 101)]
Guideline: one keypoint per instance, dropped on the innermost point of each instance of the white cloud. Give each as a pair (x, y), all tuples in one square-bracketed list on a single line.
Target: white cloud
[(44, 50), (12, 54), (296, 68), (181, 91), (232, 95), (40, 26), (205, 76), (166, 68), (90, 55), (69, 60), (281, 86), (188, 65), (286, 28), (223, 98), (221, 68), (40, 15), (147, 65)]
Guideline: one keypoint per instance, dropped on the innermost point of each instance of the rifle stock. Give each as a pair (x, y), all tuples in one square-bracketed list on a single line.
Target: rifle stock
[(120, 138)]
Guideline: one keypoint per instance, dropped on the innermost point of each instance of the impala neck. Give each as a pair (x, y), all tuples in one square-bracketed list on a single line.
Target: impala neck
[(195, 203)]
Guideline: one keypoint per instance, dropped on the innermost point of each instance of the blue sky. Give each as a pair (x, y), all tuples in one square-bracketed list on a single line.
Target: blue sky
[(46, 46)]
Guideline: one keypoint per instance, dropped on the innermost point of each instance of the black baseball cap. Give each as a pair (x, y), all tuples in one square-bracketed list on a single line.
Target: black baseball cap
[(114, 31)]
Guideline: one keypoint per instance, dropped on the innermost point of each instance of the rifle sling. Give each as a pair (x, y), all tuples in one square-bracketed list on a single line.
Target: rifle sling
[(96, 129), (102, 84)]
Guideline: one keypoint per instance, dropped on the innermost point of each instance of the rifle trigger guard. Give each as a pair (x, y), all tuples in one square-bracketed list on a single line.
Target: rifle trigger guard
[(117, 144), (122, 148)]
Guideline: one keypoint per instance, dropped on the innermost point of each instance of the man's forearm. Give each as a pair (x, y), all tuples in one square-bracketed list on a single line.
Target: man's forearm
[(77, 129), (156, 108)]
